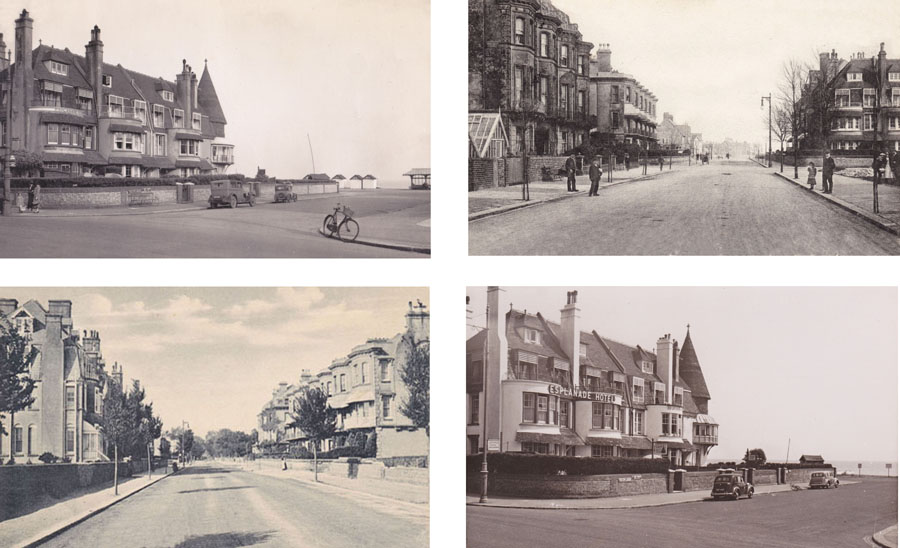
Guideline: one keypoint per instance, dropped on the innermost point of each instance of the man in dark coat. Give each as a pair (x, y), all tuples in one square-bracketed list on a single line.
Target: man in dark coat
[(661, 162), (627, 162), (895, 166), (570, 173), (595, 172), (827, 173)]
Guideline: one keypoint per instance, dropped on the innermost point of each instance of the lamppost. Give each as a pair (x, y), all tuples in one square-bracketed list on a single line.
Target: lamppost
[(761, 101), (184, 427), (484, 367)]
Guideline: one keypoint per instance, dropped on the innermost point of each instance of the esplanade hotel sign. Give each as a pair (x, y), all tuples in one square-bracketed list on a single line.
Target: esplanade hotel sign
[(559, 387)]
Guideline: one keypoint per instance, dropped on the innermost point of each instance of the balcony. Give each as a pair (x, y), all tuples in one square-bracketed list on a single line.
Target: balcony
[(124, 113), (706, 440), (223, 158), (63, 105)]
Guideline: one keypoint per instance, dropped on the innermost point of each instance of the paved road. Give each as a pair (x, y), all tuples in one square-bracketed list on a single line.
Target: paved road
[(725, 208), (803, 519), (207, 506), (268, 230)]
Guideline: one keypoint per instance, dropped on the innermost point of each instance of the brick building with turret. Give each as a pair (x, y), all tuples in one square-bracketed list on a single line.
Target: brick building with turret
[(85, 116)]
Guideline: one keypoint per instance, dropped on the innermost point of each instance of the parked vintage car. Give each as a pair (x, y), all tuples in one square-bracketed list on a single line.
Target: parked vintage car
[(731, 485), (823, 480), (230, 193), (284, 192)]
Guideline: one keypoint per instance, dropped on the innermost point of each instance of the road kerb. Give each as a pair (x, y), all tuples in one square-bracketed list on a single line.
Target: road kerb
[(58, 529), (513, 207), (386, 245), (873, 218)]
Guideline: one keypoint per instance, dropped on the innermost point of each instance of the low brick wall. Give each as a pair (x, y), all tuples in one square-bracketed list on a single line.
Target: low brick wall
[(535, 163), (365, 469), (22, 486), (764, 477), (568, 487), (482, 173), (699, 481), (839, 162)]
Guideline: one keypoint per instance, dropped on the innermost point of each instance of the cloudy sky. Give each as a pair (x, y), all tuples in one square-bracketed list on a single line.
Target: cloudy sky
[(212, 356), (710, 61), (816, 365), (353, 74)]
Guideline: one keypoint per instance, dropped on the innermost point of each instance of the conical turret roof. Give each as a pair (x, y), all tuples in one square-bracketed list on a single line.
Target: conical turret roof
[(689, 368), (208, 99)]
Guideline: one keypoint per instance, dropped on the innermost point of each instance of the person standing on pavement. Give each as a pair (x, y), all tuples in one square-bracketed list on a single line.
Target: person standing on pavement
[(827, 173), (895, 166), (627, 162), (811, 176), (661, 162), (595, 172), (879, 165), (644, 163), (30, 204), (37, 198), (570, 173)]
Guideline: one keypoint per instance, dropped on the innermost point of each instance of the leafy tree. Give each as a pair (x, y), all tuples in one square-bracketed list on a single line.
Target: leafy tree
[(16, 386), (755, 456), (416, 374), (117, 424), (198, 447), (315, 418), (27, 163), (228, 443), (165, 448), (183, 436)]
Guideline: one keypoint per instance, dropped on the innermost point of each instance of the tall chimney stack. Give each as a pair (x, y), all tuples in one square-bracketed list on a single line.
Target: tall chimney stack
[(665, 363), (93, 53), (570, 334), (23, 79), (495, 364)]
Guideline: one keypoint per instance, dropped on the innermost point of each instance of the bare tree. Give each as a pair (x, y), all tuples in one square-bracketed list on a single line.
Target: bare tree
[(781, 128), (790, 92)]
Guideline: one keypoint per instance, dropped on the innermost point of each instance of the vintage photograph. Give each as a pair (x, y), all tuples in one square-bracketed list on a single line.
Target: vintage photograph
[(214, 417), (681, 416), (657, 127), (307, 122)]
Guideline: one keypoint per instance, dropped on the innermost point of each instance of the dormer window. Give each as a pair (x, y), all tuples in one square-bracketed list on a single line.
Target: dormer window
[(195, 120), (167, 95), (679, 396), (159, 116), (107, 80), (647, 366), (582, 350), (854, 77), (59, 68), (637, 389), (894, 77), (533, 336), (178, 118)]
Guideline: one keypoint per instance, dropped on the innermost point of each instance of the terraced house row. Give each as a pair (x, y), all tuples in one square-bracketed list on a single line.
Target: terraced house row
[(535, 385), (366, 389), (88, 117), (529, 62)]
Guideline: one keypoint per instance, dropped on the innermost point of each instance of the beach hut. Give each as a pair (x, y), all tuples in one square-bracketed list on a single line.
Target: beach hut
[(354, 184), (419, 178), (370, 182), (341, 181), (812, 459)]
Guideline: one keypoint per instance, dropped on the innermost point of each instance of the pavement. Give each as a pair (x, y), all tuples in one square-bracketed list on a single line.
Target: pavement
[(210, 505), (886, 538), (840, 518), (33, 528), (723, 208), (855, 195), (494, 201), (633, 501), (399, 220)]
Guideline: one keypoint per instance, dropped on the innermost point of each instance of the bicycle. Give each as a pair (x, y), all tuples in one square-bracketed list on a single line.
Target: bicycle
[(347, 229)]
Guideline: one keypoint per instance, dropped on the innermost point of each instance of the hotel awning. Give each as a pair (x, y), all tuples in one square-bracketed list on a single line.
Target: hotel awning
[(188, 136), (125, 128), (125, 160), (705, 419), (567, 438), (66, 118), (603, 441), (159, 162), (636, 443)]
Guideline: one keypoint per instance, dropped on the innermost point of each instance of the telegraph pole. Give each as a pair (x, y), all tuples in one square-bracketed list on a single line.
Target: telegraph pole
[(769, 99), (6, 206)]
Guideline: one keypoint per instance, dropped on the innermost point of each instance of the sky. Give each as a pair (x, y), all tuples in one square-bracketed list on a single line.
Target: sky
[(710, 61), (817, 365), (352, 74), (212, 356)]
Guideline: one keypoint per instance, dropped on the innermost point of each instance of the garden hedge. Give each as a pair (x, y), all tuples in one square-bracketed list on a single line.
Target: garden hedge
[(98, 182), (552, 465)]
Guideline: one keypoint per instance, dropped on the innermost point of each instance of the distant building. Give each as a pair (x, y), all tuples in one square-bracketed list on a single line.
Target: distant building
[(370, 182), (625, 109), (85, 116), (674, 136), (366, 390), (812, 459), (71, 382), (853, 105), (419, 178), (563, 389)]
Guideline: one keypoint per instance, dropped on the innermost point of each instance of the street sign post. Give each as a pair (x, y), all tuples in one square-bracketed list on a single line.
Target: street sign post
[(888, 466), (493, 445), (859, 469)]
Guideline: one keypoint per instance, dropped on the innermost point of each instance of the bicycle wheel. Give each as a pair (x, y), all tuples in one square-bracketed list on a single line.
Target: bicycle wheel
[(348, 231), (328, 225)]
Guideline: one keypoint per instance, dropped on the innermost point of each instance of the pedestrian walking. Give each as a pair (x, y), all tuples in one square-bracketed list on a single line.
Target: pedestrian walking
[(30, 204), (644, 163), (827, 174), (595, 172), (811, 176), (661, 162), (627, 162), (36, 205), (895, 166), (879, 166), (570, 173)]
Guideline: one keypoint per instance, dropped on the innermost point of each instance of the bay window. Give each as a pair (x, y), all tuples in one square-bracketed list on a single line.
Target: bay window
[(52, 134), (565, 414), (189, 147), (542, 402), (544, 45), (638, 423), (520, 31), (605, 416), (528, 407), (671, 424)]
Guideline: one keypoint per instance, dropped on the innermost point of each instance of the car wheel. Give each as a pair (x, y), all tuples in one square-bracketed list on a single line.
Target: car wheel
[(750, 494), (252, 201), (736, 494), (232, 203)]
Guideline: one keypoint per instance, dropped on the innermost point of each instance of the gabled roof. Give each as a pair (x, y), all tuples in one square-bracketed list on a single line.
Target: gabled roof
[(317, 177), (339, 177), (517, 322), (418, 171), (483, 128), (356, 178), (209, 99), (369, 177), (690, 369), (75, 77)]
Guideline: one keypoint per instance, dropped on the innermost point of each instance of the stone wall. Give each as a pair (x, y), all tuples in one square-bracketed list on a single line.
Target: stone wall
[(482, 173), (535, 163), (699, 481), (365, 469), (563, 487), (764, 477), (22, 486), (802, 475), (113, 196)]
